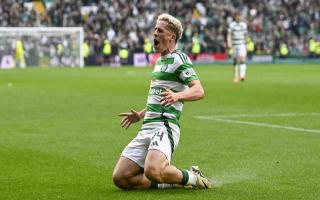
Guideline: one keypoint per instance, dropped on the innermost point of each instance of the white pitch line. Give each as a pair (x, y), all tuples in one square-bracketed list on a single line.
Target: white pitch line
[(260, 124), (265, 115)]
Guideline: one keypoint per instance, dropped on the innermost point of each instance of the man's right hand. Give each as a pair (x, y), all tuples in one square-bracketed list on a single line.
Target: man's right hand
[(129, 118)]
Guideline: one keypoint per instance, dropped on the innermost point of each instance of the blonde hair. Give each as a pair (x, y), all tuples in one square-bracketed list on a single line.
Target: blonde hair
[(173, 23)]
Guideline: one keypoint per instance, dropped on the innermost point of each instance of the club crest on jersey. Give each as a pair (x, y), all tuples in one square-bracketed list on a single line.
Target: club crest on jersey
[(164, 67)]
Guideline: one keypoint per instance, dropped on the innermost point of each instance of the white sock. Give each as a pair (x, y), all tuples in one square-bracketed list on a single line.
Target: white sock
[(243, 68), (236, 71), (192, 178), (164, 185)]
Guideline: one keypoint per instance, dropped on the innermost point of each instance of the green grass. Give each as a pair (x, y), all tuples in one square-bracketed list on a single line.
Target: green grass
[(60, 135)]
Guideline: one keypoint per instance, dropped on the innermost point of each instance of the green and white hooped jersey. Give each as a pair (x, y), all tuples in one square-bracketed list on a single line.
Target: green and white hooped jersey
[(238, 31), (173, 71)]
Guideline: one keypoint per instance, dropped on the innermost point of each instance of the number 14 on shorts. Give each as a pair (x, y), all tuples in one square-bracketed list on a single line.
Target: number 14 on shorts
[(157, 137)]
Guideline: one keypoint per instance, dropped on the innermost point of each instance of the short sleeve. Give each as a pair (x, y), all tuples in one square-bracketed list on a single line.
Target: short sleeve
[(186, 73)]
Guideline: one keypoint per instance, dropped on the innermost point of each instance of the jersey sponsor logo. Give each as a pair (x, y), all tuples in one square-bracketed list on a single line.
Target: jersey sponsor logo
[(155, 91)]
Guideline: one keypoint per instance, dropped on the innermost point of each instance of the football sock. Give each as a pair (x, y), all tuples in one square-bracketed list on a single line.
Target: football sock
[(243, 68), (154, 185), (164, 185), (236, 71), (160, 185), (188, 178), (185, 177)]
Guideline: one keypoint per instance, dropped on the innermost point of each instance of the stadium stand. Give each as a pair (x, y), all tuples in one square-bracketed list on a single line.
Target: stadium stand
[(270, 22)]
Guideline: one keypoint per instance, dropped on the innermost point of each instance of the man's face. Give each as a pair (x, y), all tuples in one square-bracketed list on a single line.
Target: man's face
[(162, 37), (238, 18)]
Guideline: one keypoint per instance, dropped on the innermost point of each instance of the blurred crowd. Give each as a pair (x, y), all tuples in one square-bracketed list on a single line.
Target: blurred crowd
[(127, 25)]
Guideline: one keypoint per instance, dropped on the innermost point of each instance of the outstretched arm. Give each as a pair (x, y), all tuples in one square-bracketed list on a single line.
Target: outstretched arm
[(131, 117), (195, 92), (229, 43)]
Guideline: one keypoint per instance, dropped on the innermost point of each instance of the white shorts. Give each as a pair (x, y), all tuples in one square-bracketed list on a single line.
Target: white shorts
[(164, 138), (239, 50)]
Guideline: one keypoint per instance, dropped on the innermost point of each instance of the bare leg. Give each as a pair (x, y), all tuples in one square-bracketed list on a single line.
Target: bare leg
[(235, 70), (243, 68), (128, 175), (157, 169), (242, 59), (234, 61)]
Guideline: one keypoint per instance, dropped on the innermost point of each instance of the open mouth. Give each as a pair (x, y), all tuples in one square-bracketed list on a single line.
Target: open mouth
[(156, 42)]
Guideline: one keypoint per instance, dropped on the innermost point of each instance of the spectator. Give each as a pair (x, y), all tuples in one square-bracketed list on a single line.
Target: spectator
[(269, 21)]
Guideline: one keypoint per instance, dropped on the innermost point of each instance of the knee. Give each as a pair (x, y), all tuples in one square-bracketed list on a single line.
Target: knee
[(120, 180), (153, 174)]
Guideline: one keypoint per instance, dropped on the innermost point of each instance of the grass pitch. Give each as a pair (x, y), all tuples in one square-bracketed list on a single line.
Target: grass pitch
[(60, 135)]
